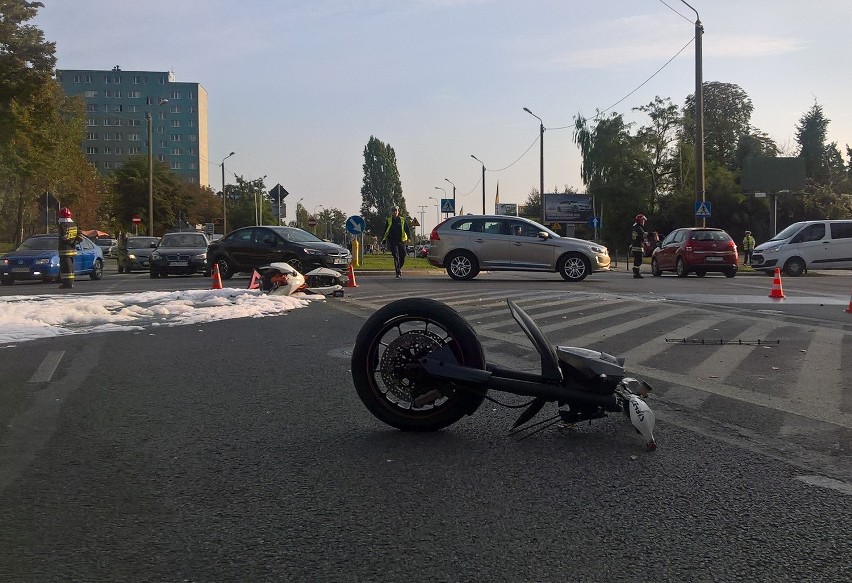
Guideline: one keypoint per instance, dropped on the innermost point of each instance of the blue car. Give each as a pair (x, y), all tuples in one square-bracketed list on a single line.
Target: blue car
[(38, 259)]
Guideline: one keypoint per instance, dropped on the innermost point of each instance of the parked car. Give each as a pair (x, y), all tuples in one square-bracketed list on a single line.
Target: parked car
[(696, 250), (135, 253), (246, 249), (107, 245), (804, 245), (179, 254), (464, 245), (38, 259), (572, 206)]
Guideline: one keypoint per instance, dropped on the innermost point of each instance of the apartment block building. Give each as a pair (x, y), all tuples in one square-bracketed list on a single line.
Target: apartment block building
[(118, 104)]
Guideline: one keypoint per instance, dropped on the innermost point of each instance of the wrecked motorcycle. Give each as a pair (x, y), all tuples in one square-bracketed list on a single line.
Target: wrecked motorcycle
[(284, 279), (418, 365)]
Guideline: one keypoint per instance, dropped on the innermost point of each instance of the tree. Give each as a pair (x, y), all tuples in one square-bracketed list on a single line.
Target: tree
[(811, 133), (727, 117), (381, 188), (130, 183), (658, 141)]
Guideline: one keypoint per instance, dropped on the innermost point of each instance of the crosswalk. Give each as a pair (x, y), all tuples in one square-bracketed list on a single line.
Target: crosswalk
[(795, 377)]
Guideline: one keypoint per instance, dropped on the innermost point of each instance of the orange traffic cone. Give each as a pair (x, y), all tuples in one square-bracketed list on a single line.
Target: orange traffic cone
[(849, 309), (217, 279), (777, 292), (351, 276), (255, 280)]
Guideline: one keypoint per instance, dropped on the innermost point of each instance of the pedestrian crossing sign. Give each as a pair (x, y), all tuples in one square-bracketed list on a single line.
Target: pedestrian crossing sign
[(702, 209), (448, 205)]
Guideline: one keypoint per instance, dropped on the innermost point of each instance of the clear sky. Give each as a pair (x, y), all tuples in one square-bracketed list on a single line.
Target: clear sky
[(297, 87)]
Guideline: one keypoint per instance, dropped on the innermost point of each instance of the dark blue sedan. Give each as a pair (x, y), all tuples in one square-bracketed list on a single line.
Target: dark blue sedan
[(38, 259)]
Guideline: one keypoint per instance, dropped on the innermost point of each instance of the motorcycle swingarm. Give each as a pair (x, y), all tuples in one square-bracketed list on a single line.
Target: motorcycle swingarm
[(443, 364)]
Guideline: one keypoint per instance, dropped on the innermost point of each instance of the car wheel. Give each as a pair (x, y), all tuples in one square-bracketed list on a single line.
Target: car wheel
[(461, 265), (730, 272), (680, 268), (7, 280), (97, 270), (700, 272), (794, 267), (574, 267), (655, 269), (226, 270)]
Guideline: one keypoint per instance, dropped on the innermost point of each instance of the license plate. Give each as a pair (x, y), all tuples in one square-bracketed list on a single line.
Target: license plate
[(713, 259), (339, 261), (178, 263), (20, 270)]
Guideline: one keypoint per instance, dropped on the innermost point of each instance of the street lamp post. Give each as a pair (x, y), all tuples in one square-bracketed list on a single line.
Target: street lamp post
[(315, 215), (445, 196), (454, 195), (541, 162), (699, 116), (258, 211), (483, 181), (224, 197), (437, 209)]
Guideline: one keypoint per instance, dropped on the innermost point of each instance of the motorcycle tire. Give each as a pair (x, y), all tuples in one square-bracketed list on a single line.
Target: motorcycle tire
[(385, 371)]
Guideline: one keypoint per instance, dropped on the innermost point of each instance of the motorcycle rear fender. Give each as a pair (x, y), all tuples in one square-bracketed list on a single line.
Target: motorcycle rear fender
[(549, 362)]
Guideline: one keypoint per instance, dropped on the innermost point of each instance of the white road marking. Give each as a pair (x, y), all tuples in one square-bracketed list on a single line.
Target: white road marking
[(47, 367), (830, 483)]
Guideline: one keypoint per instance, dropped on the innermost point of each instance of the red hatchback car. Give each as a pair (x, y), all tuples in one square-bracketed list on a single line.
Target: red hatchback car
[(696, 250)]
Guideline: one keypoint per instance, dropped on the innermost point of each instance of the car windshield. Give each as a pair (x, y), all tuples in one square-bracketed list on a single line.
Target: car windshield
[(39, 244), (183, 240), (141, 243), (710, 236), (296, 235), (788, 232)]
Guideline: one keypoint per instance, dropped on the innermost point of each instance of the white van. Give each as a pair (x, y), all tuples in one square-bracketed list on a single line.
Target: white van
[(807, 245)]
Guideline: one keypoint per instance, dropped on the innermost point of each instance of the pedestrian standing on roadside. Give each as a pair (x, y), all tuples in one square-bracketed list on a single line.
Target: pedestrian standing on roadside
[(637, 244), (748, 248), (396, 236), (69, 238)]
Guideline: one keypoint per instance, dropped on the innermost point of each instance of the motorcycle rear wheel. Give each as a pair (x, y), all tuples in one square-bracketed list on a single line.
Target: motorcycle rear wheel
[(385, 366)]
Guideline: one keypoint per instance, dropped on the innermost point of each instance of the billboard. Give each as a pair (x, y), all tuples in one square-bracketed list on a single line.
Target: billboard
[(568, 208)]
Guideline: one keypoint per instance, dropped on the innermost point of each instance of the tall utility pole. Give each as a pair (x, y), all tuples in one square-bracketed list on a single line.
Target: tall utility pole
[(541, 162), (483, 181), (423, 208), (699, 116), (224, 198)]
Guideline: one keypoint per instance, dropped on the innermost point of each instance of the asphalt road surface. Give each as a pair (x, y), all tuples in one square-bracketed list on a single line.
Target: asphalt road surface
[(239, 451)]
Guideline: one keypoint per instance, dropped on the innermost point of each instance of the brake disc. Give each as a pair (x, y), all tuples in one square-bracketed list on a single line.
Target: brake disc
[(408, 349)]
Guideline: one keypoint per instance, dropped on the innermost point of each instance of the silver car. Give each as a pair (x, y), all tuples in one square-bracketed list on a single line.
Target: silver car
[(467, 244)]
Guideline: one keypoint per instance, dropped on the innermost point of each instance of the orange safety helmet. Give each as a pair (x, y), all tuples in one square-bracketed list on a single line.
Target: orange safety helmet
[(64, 213), (641, 217)]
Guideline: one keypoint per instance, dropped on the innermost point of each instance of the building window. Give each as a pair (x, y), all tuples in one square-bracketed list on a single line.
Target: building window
[(91, 150), (175, 137), (176, 152), (193, 166), (162, 115), (191, 151), (116, 122), (190, 123), (134, 150), (174, 109), (107, 151), (175, 123), (108, 165), (118, 94), (116, 80), (107, 136), (137, 79), (133, 137), (91, 136), (133, 108), (163, 144), (76, 78), (92, 122), (90, 94), (88, 78), (116, 108), (108, 93), (193, 138), (133, 94), (91, 107), (175, 94), (175, 165), (119, 136), (191, 109), (107, 121), (134, 122), (119, 151)]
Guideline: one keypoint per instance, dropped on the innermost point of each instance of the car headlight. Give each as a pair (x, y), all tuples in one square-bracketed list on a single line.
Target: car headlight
[(773, 249), (201, 256), (45, 261), (597, 249), (314, 252), (131, 256)]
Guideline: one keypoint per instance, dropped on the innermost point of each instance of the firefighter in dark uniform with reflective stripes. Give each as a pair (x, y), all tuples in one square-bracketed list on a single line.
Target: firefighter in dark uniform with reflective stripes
[(69, 237)]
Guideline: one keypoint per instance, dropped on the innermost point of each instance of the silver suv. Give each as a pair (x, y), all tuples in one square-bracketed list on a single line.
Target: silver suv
[(467, 244)]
